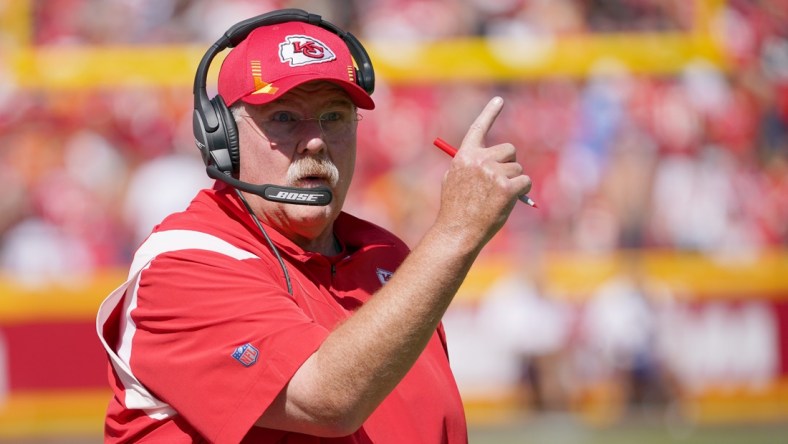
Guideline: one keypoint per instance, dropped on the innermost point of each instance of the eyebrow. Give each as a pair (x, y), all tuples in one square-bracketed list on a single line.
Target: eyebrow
[(337, 102)]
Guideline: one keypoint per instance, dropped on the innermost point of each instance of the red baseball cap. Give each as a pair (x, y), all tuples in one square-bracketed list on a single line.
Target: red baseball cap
[(276, 58)]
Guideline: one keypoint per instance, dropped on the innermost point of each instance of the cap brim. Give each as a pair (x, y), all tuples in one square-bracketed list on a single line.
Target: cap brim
[(357, 94)]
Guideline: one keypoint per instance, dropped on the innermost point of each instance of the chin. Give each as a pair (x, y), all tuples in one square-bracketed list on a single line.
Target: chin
[(312, 216)]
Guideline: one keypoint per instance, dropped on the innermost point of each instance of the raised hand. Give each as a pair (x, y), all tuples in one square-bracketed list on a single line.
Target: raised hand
[(483, 182)]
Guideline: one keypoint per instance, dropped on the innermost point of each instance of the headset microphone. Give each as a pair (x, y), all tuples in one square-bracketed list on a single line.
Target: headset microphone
[(319, 196)]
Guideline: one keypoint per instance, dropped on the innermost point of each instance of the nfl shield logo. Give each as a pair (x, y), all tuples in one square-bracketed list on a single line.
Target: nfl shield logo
[(246, 354)]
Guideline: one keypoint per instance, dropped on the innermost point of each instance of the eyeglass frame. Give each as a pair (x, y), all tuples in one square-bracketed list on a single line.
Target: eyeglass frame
[(298, 123)]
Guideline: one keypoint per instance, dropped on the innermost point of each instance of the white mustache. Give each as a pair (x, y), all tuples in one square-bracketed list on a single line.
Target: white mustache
[(312, 167)]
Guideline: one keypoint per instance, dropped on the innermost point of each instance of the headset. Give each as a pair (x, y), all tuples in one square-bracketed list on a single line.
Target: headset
[(215, 130)]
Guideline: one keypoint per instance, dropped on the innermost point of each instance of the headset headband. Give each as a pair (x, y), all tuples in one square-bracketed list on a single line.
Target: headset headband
[(238, 32)]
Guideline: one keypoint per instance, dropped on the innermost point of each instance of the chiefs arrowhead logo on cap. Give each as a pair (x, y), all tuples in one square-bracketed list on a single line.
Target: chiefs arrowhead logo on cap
[(301, 50)]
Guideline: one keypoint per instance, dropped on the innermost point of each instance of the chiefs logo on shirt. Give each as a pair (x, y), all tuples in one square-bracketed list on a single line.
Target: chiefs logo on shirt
[(384, 275)]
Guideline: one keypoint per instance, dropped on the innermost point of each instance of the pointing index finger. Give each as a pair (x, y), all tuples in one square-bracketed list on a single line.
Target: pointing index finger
[(479, 128)]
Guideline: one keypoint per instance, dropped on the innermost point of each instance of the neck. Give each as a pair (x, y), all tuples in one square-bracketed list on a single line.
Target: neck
[(325, 245), (322, 242)]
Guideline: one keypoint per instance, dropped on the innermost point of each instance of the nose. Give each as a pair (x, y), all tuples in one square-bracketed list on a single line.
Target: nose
[(311, 139)]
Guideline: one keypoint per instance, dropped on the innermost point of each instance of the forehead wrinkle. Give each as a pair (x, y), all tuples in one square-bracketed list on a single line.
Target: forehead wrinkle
[(335, 101), (311, 92)]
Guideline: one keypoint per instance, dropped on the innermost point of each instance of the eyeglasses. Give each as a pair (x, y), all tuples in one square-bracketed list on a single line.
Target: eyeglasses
[(286, 125)]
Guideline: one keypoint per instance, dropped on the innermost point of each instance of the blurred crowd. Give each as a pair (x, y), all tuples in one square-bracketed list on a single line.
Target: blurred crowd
[(694, 161), (174, 21)]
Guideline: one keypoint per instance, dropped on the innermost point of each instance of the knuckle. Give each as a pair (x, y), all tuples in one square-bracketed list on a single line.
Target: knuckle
[(528, 183), (477, 126)]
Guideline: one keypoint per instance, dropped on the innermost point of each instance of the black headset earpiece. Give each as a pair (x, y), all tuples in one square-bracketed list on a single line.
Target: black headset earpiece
[(230, 129), (215, 131)]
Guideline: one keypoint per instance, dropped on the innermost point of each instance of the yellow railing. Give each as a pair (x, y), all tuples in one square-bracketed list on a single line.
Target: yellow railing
[(572, 276), (61, 67), (692, 276)]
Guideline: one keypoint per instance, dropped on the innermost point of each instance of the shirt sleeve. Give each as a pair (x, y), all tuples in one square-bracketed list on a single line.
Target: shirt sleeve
[(218, 338)]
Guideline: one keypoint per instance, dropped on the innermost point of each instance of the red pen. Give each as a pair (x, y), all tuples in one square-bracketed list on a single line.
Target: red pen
[(450, 150)]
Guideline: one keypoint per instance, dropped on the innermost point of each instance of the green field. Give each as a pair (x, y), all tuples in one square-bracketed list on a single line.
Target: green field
[(562, 430), (567, 430)]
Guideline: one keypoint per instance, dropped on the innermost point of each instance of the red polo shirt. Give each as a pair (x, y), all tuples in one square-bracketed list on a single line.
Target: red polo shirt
[(209, 335)]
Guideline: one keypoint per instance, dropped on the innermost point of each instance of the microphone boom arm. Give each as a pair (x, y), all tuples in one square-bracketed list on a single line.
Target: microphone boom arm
[(320, 196)]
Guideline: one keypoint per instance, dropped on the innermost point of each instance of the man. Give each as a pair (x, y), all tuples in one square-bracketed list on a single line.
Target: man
[(255, 320)]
